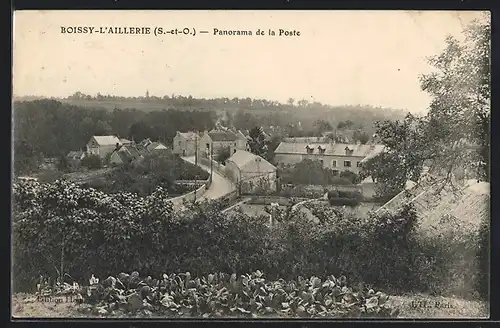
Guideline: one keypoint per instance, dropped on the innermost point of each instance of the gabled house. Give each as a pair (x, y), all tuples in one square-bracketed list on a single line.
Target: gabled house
[(251, 172), (336, 156), (126, 142), (102, 145), (120, 157), (185, 143), (156, 146), (215, 140)]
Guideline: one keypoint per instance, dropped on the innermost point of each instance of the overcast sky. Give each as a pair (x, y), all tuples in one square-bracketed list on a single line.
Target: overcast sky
[(341, 57)]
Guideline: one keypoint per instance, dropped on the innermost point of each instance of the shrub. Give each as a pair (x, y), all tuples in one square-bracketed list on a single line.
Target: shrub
[(345, 197), (223, 154), (91, 162), (90, 232), (352, 177)]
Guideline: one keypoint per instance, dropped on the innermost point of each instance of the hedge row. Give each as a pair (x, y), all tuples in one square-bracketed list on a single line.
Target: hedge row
[(89, 232)]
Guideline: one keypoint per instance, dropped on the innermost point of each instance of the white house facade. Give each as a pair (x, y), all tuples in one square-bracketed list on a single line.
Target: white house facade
[(336, 156), (102, 145), (251, 172)]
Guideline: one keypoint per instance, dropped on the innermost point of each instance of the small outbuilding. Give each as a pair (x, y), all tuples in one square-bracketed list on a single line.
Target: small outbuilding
[(251, 173)]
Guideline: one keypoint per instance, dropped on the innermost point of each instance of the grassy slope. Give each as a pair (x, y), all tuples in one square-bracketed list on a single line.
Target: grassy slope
[(457, 308)]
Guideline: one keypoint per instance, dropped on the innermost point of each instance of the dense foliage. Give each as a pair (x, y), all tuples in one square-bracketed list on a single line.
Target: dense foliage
[(223, 153), (257, 142), (52, 128), (91, 162), (223, 295), (348, 198), (78, 231), (309, 172), (455, 133), (153, 171)]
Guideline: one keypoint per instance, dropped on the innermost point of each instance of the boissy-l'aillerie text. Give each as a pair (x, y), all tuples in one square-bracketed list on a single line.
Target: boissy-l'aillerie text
[(105, 30)]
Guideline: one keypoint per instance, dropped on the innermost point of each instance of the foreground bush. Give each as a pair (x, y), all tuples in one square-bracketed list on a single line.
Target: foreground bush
[(224, 295), (61, 228)]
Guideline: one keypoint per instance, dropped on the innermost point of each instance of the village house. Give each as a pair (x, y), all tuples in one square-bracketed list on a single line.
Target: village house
[(251, 172), (125, 154), (215, 140), (126, 142), (336, 156), (102, 145), (120, 157), (185, 143), (156, 147)]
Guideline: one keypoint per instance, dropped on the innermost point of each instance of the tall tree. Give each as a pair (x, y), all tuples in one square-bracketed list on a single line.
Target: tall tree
[(461, 92), (258, 142), (455, 134)]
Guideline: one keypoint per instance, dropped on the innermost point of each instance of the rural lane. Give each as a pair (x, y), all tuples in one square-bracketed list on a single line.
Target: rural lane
[(220, 185)]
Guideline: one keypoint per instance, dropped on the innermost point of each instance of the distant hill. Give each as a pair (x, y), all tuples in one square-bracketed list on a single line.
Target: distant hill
[(254, 106)]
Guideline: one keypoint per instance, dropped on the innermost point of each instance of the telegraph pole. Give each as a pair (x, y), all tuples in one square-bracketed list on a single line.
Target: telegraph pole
[(211, 161), (196, 149)]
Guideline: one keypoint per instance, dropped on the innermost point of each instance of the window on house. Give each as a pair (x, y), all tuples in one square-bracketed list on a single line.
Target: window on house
[(208, 146), (335, 172), (334, 163), (347, 163), (179, 142), (309, 150), (235, 144), (358, 164), (321, 161)]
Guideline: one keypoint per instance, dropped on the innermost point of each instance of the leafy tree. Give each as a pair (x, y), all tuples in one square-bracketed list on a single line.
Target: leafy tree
[(361, 136), (290, 101), (309, 172), (347, 124), (140, 131), (351, 176), (459, 115), (91, 162), (271, 147), (63, 164), (460, 100), (303, 103), (257, 142), (322, 126), (406, 149), (223, 154)]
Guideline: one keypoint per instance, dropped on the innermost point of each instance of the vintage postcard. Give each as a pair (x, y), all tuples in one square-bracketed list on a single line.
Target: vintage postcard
[(251, 164)]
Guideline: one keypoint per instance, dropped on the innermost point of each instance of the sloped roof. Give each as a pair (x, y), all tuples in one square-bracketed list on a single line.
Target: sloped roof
[(107, 140), (306, 139), (133, 151), (241, 158), (222, 136), (333, 149), (142, 150), (156, 145), (75, 153), (123, 154), (125, 141), (190, 135)]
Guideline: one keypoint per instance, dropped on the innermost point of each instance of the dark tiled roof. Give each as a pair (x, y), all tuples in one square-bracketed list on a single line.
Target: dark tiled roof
[(335, 149), (223, 136)]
